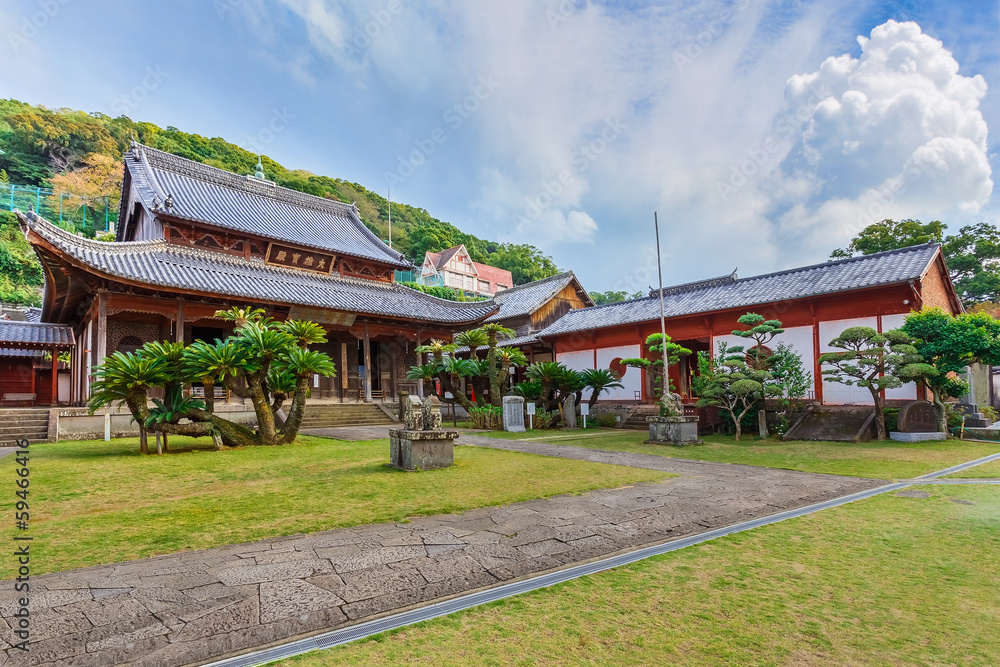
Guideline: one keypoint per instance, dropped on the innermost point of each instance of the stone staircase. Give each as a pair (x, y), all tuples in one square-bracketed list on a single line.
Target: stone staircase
[(635, 418), (20, 423), (345, 414)]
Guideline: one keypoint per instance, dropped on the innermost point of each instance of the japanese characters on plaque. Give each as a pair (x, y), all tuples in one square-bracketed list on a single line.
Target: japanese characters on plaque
[(297, 258)]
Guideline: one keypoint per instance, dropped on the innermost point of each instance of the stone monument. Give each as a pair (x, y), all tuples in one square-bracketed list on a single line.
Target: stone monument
[(513, 414), (568, 409), (917, 421), (421, 444), (672, 427)]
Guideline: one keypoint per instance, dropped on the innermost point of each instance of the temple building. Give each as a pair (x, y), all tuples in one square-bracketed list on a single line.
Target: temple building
[(814, 303), (193, 239)]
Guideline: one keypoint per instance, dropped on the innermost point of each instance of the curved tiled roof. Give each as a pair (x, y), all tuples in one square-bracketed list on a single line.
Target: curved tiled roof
[(223, 199), (161, 264), (35, 335), (527, 298), (884, 268)]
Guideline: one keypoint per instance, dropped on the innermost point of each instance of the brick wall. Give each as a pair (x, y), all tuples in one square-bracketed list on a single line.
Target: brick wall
[(934, 289)]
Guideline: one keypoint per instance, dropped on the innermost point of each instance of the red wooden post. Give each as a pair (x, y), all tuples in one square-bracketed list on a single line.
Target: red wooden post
[(55, 376)]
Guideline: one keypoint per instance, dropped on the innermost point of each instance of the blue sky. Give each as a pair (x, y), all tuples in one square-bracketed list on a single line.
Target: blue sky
[(763, 133)]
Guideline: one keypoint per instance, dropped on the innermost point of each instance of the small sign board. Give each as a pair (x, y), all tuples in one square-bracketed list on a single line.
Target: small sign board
[(584, 409), (531, 408)]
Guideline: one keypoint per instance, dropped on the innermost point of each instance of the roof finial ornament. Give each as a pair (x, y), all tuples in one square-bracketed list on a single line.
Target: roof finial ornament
[(169, 202), (156, 203), (259, 174)]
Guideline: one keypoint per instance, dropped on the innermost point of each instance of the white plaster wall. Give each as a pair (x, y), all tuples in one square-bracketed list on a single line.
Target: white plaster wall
[(631, 381), (909, 390), (833, 392), (578, 361)]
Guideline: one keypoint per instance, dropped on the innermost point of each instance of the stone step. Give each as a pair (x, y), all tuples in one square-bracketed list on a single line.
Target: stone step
[(26, 421)]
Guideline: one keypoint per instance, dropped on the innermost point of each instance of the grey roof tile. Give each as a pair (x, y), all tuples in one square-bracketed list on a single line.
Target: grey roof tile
[(223, 199), (525, 299), (35, 334), (161, 264), (886, 268)]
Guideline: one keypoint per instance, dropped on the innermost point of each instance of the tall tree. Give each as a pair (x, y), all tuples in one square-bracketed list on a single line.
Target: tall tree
[(762, 332), (950, 344)]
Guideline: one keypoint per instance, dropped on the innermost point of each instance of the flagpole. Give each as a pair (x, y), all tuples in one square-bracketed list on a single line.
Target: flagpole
[(663, 321)]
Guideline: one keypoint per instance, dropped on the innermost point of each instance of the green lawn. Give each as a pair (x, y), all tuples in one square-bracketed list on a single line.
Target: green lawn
[(883, 460), (985, 471), (95, 502), (885, 581)]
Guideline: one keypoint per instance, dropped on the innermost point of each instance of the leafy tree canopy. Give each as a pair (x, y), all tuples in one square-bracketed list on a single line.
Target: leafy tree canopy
[(891, 235)]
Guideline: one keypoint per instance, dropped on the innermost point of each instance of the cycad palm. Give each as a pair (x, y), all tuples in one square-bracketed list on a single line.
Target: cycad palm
[(600, 380)]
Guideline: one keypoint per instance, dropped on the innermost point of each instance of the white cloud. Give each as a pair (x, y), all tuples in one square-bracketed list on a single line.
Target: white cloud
[(896, 132), (750, 162)]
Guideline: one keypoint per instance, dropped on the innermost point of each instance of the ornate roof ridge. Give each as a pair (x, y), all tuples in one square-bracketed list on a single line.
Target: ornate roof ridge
[(845, 260), (153, 158), (108, 246)]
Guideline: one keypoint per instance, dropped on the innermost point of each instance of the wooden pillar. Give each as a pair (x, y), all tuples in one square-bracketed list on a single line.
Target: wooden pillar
[(368, 366), (179, 329), (55, 376), (102, 326), (817, 367), (420, 361)]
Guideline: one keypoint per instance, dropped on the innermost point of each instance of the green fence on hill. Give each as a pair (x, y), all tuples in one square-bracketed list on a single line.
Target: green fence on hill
[(73, 212)]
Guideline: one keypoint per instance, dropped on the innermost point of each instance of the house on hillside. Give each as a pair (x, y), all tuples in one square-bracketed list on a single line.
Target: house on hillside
[(454, 268)]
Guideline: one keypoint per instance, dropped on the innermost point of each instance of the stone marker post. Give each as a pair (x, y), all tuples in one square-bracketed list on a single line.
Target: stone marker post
[(513, 414), (568, 408)]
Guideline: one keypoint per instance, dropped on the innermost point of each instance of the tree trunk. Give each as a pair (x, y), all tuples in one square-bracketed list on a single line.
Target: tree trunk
[(143, 441), (295, 414), (209, 387), (879, 414), (940, 409), (265, 418)]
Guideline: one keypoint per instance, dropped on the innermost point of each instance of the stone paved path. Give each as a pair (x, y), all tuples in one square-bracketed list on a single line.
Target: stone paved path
[(196, 606)]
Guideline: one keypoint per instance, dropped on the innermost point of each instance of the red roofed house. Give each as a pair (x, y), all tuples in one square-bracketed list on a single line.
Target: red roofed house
[(455, 269)]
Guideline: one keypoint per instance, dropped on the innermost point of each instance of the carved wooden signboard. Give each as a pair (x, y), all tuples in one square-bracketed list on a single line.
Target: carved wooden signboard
[(917, 417), (297, 258)]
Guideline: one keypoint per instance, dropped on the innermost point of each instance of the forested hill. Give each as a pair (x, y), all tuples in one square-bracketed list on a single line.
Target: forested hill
[(80, 153)]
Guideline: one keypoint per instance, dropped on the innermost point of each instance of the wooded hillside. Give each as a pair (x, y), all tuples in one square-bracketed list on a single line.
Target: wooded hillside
[(80, 153)]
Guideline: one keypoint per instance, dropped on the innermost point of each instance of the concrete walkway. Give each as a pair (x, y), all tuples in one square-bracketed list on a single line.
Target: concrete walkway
[(193, 607)]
